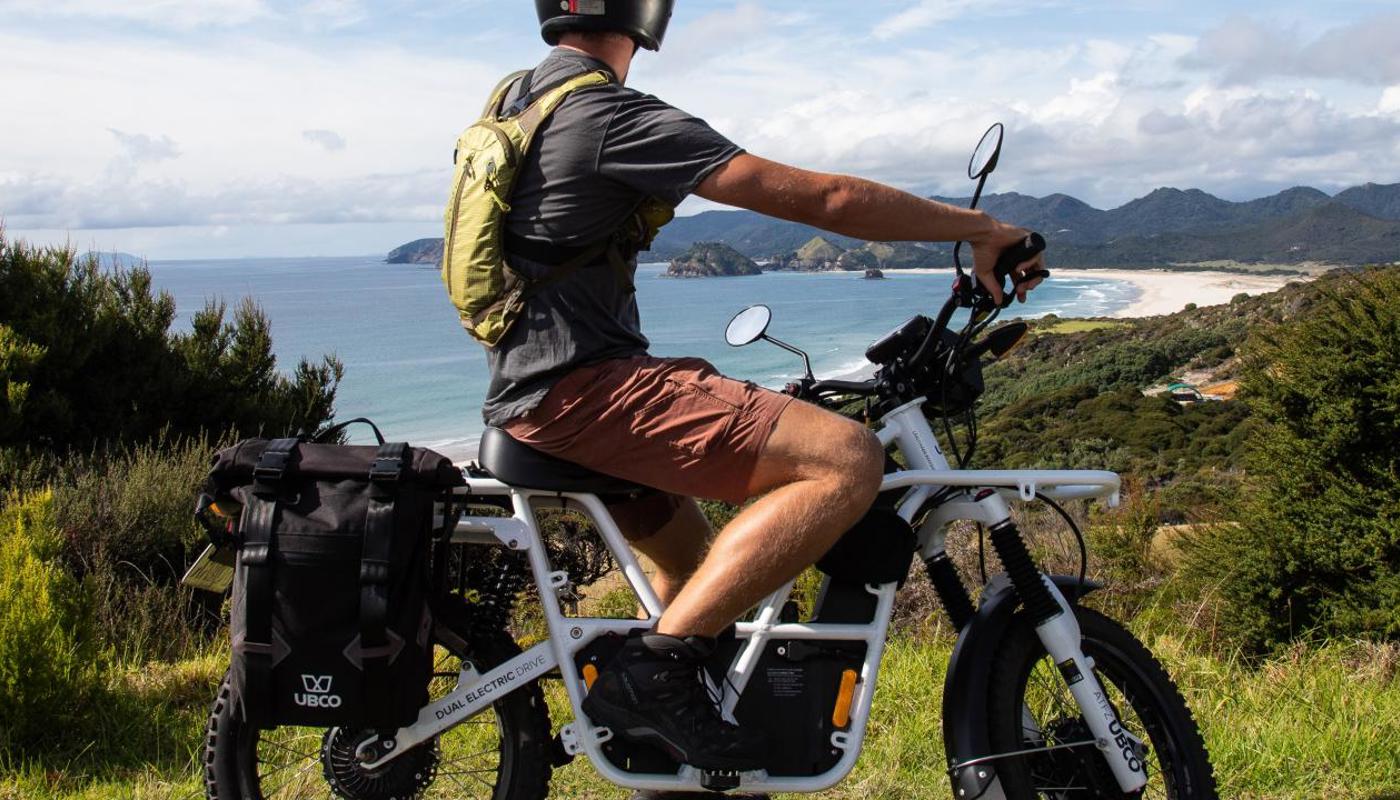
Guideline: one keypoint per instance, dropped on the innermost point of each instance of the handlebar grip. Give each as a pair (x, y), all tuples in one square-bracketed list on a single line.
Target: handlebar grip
[(1013, 256)]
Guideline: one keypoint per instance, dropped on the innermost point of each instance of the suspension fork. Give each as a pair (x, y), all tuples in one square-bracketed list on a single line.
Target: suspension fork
[(1058, 630)]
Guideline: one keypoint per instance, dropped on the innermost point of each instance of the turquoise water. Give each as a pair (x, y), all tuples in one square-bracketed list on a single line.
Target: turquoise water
[(411, 368)]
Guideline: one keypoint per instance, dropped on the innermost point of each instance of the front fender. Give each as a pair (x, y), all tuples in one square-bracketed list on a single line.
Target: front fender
[(965, 689)]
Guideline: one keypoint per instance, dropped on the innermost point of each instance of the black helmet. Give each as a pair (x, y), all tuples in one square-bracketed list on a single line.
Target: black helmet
[(644, 20)]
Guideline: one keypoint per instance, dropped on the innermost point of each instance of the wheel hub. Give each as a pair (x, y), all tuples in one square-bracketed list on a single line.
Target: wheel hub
[(404, 778), (1077, 769)]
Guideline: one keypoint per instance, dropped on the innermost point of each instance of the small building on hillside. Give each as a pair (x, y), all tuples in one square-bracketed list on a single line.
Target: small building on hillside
[(1184, 393)]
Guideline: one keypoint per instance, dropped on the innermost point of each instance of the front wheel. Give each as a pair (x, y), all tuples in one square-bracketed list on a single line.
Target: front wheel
[(1031, 709), (501, 754)]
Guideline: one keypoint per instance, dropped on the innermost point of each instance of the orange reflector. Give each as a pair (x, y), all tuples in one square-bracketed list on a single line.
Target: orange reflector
[(590, 674), (841, 715)]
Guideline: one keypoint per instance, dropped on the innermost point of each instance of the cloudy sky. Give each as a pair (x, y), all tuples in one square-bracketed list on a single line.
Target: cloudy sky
[(228, 128)]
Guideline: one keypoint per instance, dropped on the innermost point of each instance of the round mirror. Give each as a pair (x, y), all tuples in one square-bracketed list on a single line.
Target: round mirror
[(984, 158), (748, 326)]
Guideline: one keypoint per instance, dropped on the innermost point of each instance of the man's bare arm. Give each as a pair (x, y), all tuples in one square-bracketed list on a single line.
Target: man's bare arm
[(861, 209)]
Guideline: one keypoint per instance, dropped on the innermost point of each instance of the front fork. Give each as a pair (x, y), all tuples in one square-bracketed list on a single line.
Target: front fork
[(1058, 629)]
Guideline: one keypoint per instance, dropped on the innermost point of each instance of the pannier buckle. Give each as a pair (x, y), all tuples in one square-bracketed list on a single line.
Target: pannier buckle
[(271, 466), (386, 470)]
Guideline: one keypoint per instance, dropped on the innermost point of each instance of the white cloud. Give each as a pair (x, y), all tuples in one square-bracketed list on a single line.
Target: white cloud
[(117, 199), (1244, 50), (930, 13), (924, 14), (1390, 101), (141, 148), (215, 127), (182, 14), (329, 140), (335, 13)]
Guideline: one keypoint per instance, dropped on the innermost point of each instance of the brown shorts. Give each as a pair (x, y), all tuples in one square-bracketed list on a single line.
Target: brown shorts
[(674, 424)]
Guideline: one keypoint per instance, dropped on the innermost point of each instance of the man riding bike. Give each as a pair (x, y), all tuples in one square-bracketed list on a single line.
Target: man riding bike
[(572, 377)]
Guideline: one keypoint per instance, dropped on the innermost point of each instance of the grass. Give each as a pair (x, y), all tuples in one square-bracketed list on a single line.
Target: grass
[(1081, 326), (1313, 722)]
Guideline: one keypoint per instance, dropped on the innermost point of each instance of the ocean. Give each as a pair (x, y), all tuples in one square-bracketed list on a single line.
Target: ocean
[(411, 368)]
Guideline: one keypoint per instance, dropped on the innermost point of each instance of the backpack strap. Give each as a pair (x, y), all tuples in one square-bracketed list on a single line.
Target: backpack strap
[(259, 517), (544, 102), (376, 650), (498, 95)]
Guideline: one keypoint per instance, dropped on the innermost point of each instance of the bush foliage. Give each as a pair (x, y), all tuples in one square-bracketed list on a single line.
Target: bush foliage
[(88, 358), (48, 670), (129, 533), (1319, 550)]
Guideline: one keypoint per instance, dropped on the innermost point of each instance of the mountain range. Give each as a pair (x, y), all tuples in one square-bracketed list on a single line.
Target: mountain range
[(1165, 228)]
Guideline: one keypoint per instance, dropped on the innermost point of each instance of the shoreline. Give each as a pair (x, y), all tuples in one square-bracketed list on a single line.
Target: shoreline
[(1161, 291), (1156, 292)]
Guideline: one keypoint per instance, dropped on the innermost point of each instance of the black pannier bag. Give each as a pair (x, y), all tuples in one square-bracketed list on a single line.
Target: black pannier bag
[(330, 623)]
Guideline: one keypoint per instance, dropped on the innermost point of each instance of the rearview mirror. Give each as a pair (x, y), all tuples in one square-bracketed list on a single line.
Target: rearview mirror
[(1006, 338), (984, 158), (748, 326)]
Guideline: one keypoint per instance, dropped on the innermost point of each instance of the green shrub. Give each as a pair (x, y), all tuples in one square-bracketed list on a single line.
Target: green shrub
[(130, 534), (88, 358), (1319, 551), (48, 671)]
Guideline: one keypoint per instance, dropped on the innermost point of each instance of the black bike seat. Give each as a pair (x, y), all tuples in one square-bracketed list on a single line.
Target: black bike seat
[(520, 465)]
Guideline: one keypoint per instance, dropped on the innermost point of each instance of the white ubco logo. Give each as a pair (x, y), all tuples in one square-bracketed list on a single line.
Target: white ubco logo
[(317, 694)]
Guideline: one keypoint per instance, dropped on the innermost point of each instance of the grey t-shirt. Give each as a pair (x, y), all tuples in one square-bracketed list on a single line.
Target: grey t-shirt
[(602, 152)]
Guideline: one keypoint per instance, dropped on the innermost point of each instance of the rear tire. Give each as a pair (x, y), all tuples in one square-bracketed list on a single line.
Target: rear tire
[(1030, 707), (241, 764)]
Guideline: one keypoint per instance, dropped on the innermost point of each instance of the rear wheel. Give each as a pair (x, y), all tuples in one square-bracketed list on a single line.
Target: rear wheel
[(501, 754), (1031, 709)]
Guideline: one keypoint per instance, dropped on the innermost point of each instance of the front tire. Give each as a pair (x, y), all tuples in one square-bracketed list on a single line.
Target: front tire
[(1030, 708), (502, 754)]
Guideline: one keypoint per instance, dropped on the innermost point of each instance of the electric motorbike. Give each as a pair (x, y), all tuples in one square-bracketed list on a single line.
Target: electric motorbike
[(1043, 697)]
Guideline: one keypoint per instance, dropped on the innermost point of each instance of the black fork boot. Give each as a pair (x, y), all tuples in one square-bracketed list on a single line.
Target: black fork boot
[(655, 691)]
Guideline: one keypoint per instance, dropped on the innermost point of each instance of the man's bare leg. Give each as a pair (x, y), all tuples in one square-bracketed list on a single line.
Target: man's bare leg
[(676, 549), (821, 472)]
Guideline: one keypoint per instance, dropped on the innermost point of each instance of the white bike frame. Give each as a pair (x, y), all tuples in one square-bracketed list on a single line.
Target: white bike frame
[(907, 429)]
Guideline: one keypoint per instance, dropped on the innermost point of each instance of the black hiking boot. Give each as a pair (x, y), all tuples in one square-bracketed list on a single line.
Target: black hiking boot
[(655, 691)]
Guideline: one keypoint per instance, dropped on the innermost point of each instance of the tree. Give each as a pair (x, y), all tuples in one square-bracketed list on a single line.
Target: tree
[(1319, 551), (88, 358)]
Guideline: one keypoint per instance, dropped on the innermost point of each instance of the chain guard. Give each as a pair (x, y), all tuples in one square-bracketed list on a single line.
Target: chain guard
[(404, 778)]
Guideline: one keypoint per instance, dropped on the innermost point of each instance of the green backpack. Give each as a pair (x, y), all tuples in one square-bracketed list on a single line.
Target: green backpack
[(488, 293)]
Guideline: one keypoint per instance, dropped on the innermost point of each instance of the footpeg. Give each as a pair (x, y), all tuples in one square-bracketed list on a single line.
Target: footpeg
[(559, 754), (719, 780)]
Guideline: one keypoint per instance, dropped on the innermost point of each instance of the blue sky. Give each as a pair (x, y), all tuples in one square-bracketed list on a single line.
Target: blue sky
[(226, 128)]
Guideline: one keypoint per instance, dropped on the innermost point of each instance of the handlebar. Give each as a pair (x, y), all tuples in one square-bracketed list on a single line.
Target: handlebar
[(844, 387)]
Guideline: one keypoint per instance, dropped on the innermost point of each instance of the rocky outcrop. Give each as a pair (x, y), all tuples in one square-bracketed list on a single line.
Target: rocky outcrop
[(711, 260), (874, 275), (422, 251)]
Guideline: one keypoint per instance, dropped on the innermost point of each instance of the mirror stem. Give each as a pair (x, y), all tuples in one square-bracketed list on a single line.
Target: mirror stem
[(977, 195), (976, 198), (807, 362)]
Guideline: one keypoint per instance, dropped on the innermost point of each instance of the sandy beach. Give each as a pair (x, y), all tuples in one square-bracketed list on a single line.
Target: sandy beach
[(1163, 292), (1166, 292)]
